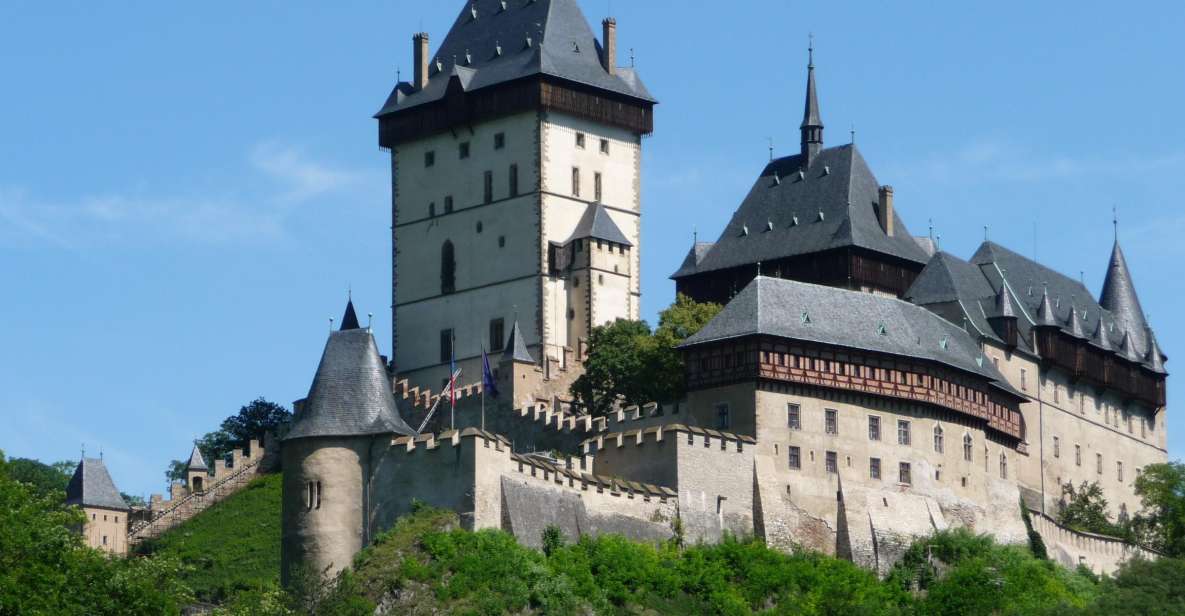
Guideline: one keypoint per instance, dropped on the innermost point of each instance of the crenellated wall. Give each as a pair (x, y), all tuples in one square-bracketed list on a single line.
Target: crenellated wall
[(1099, 553)]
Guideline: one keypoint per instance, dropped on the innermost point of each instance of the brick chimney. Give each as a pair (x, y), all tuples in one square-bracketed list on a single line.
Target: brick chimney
[(885, 209), (420, 50), (609, 45)]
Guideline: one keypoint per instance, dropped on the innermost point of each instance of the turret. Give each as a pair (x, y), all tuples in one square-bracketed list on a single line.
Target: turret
[(330, 453), (196, 471), (812, 123), (1004, 318)]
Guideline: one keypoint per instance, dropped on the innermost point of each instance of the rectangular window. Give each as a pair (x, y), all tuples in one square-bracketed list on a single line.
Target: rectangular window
[(580, 140), (1129, 424), (831, 421), (499, 141), (597, 186), (902, 432), (1143, 428), (575, 181), (497, 334), (1098, 459), (489, 186), (874, 468), (430, 158), (1078, 455), (448, 204), (317, 505), (1024, 379), (903, 473), (1057, 447), (794, 416), (723, 421), (832, 462), (1003, 466), (967, 447), (938, 439), (513, 180), (1119, 470), (795, 457), (446, 346), (463, 150), (874, 428), (604, 146)]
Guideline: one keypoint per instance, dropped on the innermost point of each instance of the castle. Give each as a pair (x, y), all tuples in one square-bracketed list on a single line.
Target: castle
[(859, 389)]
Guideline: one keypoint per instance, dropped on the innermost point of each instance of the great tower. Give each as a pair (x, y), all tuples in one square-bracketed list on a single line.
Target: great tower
[(516, 190)]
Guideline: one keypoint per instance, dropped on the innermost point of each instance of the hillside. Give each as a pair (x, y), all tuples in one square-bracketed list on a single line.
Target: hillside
[(233, 546)]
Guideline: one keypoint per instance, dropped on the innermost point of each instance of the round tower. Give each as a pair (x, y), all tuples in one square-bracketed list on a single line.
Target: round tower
[(327, 455)]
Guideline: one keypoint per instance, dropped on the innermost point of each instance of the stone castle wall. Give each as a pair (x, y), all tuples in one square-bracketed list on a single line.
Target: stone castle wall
[(1070, 548)]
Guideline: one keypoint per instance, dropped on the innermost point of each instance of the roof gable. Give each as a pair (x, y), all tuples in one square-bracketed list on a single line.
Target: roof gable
[(91, 486)]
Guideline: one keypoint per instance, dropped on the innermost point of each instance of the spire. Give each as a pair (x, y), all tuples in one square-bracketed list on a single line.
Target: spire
[(812, 124), (1101, 338), (350, 319), (1005, 303), (1119, 298), (1127, 350), (1154, 358), (1045, 315), (196, 461), (516, 347), (1074, 323)]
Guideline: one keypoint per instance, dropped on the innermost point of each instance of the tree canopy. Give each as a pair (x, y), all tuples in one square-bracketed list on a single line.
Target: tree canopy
[(628, 362), (1160, 523)]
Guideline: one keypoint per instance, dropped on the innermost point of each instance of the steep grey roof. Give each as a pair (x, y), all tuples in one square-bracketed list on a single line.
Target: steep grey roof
[(597, 224), (851, 319), (810, 111), (350, 318), (831, 205), (196, 461), (516, 347), (351, 393), (691, 261), (1045, 313), (947, 278), (1005, 303), (1154, 357), (561, 45), (91, 486), (1120, 299)]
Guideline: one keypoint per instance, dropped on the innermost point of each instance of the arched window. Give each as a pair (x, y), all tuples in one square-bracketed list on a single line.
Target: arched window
[(938, 439), (448, 269), (967, 447)]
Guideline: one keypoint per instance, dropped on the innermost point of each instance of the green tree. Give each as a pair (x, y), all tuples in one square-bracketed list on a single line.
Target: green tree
[(44, 478), (1161, 521), (1085, 509), (1143, 588), (628, 362)]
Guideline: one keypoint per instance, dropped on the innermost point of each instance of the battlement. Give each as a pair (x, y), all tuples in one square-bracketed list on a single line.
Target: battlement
[(450, 438), (423, 399), (726, 441), (566, 475)]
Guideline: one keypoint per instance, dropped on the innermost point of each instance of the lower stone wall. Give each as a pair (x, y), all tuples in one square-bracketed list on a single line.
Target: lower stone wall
[(1099, 553)]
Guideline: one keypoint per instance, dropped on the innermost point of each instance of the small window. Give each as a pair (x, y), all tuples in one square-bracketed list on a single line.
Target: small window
[(480, 227), (430, 158), (1057, 447), (938, 442), (317, 505), (967, 447), (831, 421), (1119, 470), (723, 421), (795, 457), (903, 432), (1098, 458), (575, 181), (874, 468), (448, 269), (448, 204), (513, 180), (597, 187), (117, 519), (432, 210), (1024, 379), (904, 474), (600, 279), (497, 334), (446, 346), (488, 187), (501, 241), (831, 462), (93, 517), (104, 539), (874, 428), (794, 416), (1003, 466), (1078, 455), (580, 140), (499, 141), (604, 146), (463, 150), (308, 498)]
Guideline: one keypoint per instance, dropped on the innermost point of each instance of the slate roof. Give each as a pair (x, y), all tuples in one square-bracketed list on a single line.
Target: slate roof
[(597, 224), (691, 261), (351, 392), (196, 461), (1120, 299), (852, 319), (831, 205), (969, 291), (516, 347), (562, 45), (350, 318), (91, 486)]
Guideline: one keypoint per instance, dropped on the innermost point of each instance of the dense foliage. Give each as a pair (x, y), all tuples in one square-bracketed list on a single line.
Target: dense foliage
[(627, 362), (46, 569), (1085, 509), (234, 546), (44, 478), (253, 420), (1161, 521)]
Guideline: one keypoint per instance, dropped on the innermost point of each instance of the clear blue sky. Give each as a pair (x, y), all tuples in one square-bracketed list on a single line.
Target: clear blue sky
[(187, 192)]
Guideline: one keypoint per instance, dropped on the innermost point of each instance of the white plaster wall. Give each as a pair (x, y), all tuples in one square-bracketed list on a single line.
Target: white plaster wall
[(113, 525)]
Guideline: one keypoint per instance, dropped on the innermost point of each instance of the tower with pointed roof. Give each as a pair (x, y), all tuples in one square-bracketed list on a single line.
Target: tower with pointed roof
[(92, 489), (337, 435), (516, 173)]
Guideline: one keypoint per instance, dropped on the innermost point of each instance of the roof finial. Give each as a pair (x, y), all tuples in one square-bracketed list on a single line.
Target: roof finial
[(811, 128), (330, 323), (759, 268), (931, 229), (83, 452), (985, 233), (632, 61), (853, 133), (100, 452), (771, 149), (694, 235), (1115, 220), (810, 50), (398, 75)]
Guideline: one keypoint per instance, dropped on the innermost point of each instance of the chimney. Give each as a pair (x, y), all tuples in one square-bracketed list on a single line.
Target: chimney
[(420, 50), (885, 209), (609, 45)]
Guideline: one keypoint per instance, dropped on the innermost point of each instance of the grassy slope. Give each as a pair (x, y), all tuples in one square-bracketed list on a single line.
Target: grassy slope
[(231, 546)]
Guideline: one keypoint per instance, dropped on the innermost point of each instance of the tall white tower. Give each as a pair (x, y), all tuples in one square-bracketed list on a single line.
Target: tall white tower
[(516, 189)]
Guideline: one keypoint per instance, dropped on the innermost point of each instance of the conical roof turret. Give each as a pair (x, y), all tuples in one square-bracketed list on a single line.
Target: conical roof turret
[(1045, 314), (1154, 358), (350, 318), (516, 347), (1101, 337), (196, 461), (1074, 324), (1127, 349), (1120, 299), (1005, 302)]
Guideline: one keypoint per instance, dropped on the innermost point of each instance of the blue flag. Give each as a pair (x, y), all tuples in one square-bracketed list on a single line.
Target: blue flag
[(487, 376)]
